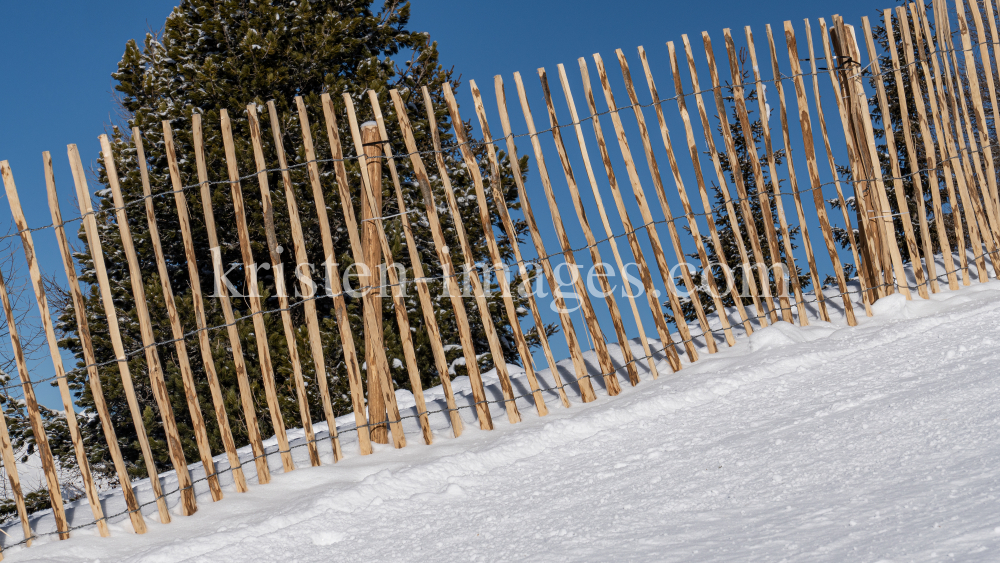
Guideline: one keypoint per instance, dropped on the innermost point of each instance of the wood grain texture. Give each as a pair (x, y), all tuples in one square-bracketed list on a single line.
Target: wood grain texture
[(512, 235), (242, 377), (281, 292), (772, 167), (595, 254), (38, 286), (707, 129), (388, 392), (175, 449), (177, 331), (89, 221), (307, 289), (471, 271), (645, 275), (444, 255), (197, 300), (572, 341), (608, 370), (86, 343), (253, 295), (805, 123)]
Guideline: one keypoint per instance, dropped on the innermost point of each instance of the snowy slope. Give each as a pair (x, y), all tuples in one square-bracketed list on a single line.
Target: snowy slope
[(824, 443)]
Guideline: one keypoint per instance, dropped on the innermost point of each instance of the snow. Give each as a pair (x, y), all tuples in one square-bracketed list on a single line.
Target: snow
[(878, 442)]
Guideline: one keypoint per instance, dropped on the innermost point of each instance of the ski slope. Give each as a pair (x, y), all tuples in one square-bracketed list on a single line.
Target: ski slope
[(822, 443)]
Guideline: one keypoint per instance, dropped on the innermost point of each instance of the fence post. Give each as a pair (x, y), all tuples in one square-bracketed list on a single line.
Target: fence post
[(89, 221), (10, 465)]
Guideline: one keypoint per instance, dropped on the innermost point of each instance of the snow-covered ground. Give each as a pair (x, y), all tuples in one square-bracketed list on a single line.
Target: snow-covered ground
[(822, 443)]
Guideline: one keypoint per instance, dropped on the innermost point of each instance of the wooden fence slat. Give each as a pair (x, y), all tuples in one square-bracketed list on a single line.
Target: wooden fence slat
[(911, 153), (93, 375), (612, 239), (34, 418), (758, 174), (387, 389), (991, 88), (484, 218), (344, 190), (748, 272), (242, 377), (944, 112), (444, 255), (306, 286), (498, 265), (204, 343), (608, 369), (805, 123), (267, 208), (772, 167), (682, 193), (741, 191), (572, 341), (595, 254), (512, 235), (988, 193), (37, 284), (330, 265), (89, 221), (177, 331), (250, 271), (793, 179), (946, 159), (652, 295), (890, 139), (416, 387), (10, 467), (469, 267), (647, 217), (175, 449), (423, 292), (956, 88)]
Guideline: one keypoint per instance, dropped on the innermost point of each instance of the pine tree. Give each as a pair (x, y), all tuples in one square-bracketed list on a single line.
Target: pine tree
[(223, 54)]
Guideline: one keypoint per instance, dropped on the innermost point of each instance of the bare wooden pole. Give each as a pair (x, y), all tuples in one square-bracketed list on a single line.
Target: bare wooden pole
[(595, 254), (990, 87), (423, 291), (175, 449), (764, 108), (332, 272), (572, 341), (37, 284), (512, 235), (176, 329), (89, 221), (911, 153), (666, 341), (890, 139), (34, 418), (307, 288), (243, 380), (204, 343), (388, 392), (86, 342), (451, 284), (472, 166), (807, 135), (253, 295), (500, 269), (758, 174), (734, 223), (10, 467)]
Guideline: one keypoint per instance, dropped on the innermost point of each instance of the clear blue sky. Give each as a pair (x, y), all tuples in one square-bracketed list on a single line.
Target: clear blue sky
[(56, 59)]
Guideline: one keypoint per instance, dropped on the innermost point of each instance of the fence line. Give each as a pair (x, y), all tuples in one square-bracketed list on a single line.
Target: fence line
[(942, 94)]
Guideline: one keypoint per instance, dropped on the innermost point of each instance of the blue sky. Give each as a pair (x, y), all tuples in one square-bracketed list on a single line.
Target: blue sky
[(57, 58)]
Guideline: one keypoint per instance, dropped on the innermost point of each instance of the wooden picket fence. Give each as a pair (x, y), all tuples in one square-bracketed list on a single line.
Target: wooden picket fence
[(950, 144)]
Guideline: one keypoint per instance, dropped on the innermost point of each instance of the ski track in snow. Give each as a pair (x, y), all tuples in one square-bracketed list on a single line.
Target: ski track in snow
[(822, 443)]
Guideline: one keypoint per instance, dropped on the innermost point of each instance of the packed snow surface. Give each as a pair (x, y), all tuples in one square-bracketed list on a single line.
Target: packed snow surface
[(879, 442)]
